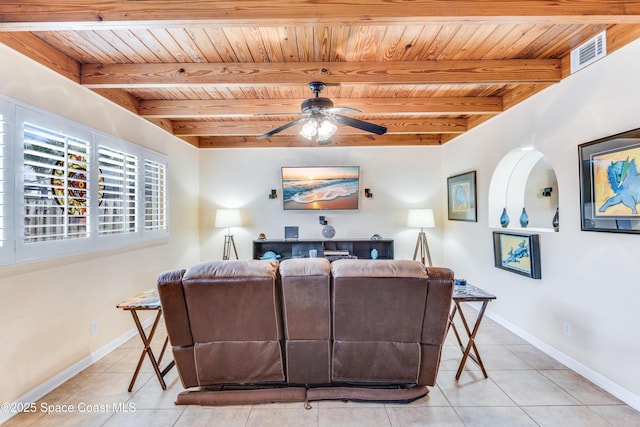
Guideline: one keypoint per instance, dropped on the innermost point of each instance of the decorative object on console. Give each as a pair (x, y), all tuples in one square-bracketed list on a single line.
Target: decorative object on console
[(273, 194), (262, 236), (555, 222), (518, 253), (228, 218), (374, 253), (421, 218), (322, 220), (328, 231), (462, 195), (320, 187), (291, 232), (368, 194), (270, 255), (504, 218), (376, 237), (524, 218), (610, 183)]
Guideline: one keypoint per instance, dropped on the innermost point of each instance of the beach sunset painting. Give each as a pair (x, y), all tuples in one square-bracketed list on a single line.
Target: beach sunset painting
[(325, 187)]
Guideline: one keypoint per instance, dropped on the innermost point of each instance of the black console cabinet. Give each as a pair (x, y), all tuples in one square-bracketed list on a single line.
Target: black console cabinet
[(334, 248)]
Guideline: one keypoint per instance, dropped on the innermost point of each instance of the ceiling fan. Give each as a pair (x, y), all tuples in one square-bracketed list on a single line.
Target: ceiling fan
[(318, 117)]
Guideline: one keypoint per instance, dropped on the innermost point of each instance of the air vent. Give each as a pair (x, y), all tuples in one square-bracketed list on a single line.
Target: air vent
[(589, 52)]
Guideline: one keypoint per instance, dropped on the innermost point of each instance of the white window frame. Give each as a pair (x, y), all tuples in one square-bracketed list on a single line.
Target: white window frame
[(16, 250), (7, 248), (46, 249), (157, 233), (115, 240)]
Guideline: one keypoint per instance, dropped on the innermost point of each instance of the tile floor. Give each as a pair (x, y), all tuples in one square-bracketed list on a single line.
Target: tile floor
[(525, 388)]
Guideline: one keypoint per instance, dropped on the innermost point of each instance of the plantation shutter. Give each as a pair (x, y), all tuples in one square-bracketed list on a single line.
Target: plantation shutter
[(56, 174), (4, 187), (118, 191), (155, 195)]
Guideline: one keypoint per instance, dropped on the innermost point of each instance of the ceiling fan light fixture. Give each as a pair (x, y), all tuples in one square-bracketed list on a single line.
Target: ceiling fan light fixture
[(310, 129), (326, 130)]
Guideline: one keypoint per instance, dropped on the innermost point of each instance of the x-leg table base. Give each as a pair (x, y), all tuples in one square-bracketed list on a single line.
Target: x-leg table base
[(146, 341), (471, 333)]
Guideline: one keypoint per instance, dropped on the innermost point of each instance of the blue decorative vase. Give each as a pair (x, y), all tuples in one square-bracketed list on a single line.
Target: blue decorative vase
[(374, 253), (556, 220), (504, 218), (524, 218)]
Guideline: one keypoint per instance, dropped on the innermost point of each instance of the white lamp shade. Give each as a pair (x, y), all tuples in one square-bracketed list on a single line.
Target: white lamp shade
[(421, 218), (228, 218)]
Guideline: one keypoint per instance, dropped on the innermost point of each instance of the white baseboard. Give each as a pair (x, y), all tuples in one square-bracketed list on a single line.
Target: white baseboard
[(598, 379), (57, 380)]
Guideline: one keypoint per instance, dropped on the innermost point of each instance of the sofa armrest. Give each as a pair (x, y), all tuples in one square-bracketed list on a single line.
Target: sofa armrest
[(174, 308), (436, 317)]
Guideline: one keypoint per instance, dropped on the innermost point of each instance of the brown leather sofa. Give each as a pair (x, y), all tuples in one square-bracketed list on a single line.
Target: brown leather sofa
[(253, 331)]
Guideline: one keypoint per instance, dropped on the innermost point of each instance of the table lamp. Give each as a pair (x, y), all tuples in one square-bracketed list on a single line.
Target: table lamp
[(421, 218), (228, 218)]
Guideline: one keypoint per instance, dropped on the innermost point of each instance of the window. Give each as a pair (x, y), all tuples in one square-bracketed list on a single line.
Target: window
[(56, 170), (67, 189), (117, 192), (6, 248), (155, 191)]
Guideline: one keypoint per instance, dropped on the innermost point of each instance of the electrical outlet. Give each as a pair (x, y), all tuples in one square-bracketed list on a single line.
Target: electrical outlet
[(94, 328), (566, 328)]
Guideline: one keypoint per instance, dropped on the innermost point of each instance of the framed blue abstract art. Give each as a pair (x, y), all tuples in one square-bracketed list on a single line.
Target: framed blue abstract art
[(461, 194), (518, 253), (610, 183)]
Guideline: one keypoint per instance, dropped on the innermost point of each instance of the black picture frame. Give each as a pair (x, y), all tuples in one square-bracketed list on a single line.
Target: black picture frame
[(462, 196), (610, 183), (518, 253)]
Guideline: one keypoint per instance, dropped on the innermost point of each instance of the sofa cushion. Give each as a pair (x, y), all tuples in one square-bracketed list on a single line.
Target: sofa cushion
[(232, 268), (375, 362), (239, 362)]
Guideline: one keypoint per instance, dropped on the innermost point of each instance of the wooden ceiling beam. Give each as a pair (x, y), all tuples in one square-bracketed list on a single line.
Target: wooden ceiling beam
[(341, 73), (35, 48), (46, 15), (367, 140), (371, 106), (238, 128)]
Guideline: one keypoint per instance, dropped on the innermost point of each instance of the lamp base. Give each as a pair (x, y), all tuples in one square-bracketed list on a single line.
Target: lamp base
[(228, 243), (423, 247)]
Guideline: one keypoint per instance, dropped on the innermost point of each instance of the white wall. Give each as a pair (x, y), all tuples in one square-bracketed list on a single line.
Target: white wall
[(588, 278), (399, 178), (46, 308)]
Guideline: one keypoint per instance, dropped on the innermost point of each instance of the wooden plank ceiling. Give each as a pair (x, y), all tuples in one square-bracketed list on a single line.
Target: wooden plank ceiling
[(219, 73)]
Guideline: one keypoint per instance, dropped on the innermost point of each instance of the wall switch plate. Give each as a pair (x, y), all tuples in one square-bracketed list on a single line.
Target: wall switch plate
[(94, 328)]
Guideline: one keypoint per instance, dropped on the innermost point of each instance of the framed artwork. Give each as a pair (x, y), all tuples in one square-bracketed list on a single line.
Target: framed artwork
[(461, 195), (518, 253), (610, 183), (320, 187)]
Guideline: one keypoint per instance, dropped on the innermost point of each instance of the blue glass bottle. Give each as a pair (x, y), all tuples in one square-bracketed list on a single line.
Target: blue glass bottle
[(556, 220), (524, 218), (504, 218)]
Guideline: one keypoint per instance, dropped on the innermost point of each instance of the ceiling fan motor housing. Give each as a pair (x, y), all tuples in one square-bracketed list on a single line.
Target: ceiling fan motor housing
[(315, 104)]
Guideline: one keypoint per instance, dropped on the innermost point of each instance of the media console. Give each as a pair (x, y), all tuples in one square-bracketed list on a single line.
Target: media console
[(299, 248)]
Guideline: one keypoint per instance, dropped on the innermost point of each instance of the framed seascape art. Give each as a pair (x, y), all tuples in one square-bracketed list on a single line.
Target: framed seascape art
[(518, 253), (320, 187), (610, 183), (461, 195)]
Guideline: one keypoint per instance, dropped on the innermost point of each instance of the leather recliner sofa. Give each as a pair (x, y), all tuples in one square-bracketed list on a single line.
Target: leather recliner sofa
[(254, 331)]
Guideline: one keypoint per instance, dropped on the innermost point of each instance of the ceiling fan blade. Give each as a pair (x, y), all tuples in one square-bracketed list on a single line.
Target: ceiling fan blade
[(341, 110), (359, 124), (281, 128)]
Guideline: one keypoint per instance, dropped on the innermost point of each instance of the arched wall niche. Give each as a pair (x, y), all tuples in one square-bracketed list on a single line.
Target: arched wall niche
[(518, 181)]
